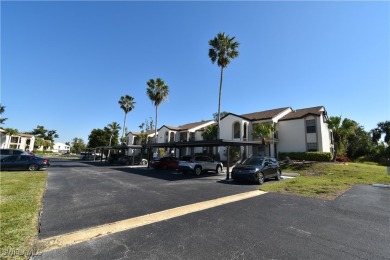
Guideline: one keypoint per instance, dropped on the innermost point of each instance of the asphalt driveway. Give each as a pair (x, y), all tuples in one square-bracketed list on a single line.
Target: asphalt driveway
[(81, 195), (271, 226)]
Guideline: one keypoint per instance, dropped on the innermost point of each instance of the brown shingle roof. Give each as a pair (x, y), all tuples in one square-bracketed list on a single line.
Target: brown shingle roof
[(296, 114), (186, 126), (193, 125), (262, 115)]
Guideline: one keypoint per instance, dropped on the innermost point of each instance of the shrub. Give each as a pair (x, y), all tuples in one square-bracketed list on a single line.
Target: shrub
[(307, 156)]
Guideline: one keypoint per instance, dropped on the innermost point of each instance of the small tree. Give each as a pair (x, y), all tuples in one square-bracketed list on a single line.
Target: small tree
[(383, 128), (262, 131), (127, 104)]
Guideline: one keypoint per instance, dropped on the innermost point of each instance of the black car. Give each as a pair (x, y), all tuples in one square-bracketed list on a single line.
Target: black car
[(24, 162), (257, 169), (8, 152)]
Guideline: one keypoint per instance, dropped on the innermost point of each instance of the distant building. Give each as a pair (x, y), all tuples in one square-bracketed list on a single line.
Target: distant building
[(60, 148), (19, 141)]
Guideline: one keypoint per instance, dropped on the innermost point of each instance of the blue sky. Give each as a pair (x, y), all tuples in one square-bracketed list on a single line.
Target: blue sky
[(64, 65)]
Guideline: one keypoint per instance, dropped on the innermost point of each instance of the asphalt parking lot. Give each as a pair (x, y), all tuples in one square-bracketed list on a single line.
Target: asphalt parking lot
[(270, 226)]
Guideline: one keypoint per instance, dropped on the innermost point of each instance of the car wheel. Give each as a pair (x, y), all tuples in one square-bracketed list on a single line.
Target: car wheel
[(219, 169), (278, 175), (198, 170), (260, 178), (33, 167)]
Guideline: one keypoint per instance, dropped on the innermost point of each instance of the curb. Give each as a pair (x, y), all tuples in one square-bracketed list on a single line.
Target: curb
[(379, 185)]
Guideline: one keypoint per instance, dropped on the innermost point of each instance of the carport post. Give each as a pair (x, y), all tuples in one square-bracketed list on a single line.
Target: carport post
[(228, 163)]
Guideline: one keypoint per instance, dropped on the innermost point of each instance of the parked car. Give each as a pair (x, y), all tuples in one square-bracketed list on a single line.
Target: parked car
[(165, 163), (24, 162), (90, 156), (257, 169), (199, 164), (128, 160), (7, 152)]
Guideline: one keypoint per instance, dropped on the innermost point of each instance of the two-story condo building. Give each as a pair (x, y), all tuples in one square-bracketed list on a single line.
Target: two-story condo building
[(301, 130)]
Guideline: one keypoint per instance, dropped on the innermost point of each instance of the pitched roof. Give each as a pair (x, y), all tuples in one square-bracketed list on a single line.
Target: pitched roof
[(187, 126), (149, 132), (300, 113), (193, 125), (262, 115)]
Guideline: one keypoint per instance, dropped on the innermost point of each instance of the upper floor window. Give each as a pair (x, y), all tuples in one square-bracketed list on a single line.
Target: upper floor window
[(236, 130), (311, 126), (172, 137), (14, 139)]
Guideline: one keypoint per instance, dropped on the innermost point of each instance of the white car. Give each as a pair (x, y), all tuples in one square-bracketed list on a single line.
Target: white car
[(199, 164)]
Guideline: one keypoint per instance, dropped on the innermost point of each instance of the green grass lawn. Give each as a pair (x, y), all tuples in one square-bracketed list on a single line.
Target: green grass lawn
[(327, 180), (20, 201)]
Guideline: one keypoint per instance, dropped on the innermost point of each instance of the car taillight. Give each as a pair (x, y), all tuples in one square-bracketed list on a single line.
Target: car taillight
[(44, 160)]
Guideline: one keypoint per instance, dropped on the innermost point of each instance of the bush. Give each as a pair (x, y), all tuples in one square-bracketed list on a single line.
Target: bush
[(307, 156), (342, 158)]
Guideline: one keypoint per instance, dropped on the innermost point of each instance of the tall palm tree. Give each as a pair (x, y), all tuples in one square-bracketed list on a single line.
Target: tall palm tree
[(157, 92), (127, 104), (222, 50)]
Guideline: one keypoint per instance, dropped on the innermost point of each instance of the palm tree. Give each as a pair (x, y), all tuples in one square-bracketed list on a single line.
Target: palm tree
[(2, 110), (114, 128), (157, 91), (383, 128), (126, 103), (222, 50), (341, 130), (262, 131)]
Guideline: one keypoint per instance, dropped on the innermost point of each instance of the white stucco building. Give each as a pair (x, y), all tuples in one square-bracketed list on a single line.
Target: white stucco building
[(60, 148), (20, 141), (301, 130)]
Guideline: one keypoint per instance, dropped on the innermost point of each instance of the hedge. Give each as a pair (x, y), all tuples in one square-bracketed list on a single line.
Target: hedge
[(307, 156)]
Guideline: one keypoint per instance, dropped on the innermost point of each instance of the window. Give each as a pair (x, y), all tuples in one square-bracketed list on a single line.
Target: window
[(15, 139), (236, 130), (312, 147), (311, 126), (245, 130)]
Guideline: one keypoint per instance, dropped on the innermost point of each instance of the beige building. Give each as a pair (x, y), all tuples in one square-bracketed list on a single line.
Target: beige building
[(19, 141)]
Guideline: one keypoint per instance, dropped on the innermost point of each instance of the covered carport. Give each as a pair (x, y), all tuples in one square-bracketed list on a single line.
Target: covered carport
[(212, 143), (117, 149)]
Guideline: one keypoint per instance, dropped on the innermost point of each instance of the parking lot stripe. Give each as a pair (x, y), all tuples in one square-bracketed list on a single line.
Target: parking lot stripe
[(80, 236)]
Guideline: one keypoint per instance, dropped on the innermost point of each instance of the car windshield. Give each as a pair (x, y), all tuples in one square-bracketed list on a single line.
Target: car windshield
[(253, 161)]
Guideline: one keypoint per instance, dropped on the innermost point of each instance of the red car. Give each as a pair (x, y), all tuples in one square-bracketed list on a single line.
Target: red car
[(165, 163)]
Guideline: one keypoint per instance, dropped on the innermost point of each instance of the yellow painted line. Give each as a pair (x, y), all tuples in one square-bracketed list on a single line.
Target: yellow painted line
[(80, 236)]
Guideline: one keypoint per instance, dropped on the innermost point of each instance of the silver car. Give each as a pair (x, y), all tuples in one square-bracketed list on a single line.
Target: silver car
[(199, 164)]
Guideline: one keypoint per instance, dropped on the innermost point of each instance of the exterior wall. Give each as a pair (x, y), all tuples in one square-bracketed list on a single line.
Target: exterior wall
[(22, 141), (291, 135), (324, 143)]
